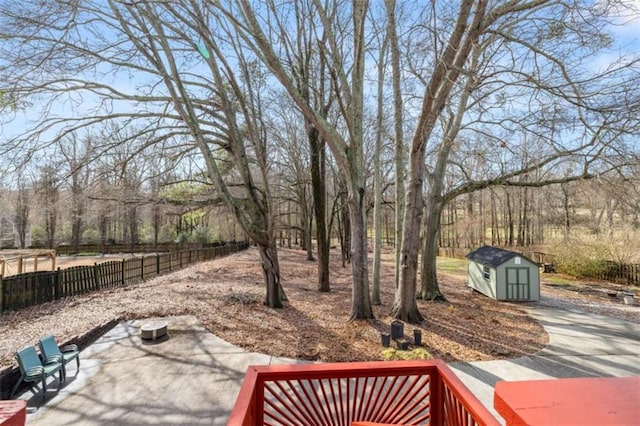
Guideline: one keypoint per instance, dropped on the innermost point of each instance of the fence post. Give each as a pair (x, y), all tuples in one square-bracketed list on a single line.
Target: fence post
[(157, 264), (1, 296), (96, 276), (142, 268), (56, 285), (123, 280)]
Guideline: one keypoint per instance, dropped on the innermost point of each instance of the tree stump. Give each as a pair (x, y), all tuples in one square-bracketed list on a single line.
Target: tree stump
[(153, 330)]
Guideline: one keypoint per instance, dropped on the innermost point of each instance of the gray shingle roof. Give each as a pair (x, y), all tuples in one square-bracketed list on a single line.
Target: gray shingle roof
[(493, 256)]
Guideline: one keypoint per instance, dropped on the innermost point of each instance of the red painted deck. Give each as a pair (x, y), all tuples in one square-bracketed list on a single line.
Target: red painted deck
[(584, 401), (13, 413), (366, 393)]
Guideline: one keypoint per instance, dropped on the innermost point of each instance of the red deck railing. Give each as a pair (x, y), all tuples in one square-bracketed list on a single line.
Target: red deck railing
[(385, 392)]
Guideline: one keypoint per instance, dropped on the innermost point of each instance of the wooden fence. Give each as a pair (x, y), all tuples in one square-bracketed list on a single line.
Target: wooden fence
[(21, 291), (131, 248), (621, 272)]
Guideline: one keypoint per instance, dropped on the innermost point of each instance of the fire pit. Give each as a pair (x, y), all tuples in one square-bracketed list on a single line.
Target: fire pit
[(153, 330)]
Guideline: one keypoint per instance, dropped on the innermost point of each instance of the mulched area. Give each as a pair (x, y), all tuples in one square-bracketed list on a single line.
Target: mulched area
[(226, 296)]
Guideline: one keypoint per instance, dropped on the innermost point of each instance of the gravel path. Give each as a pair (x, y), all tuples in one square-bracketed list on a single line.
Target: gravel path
[(613, 309)]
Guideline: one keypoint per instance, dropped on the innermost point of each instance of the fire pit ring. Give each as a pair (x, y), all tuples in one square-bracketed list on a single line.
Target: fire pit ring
[(153, 330)]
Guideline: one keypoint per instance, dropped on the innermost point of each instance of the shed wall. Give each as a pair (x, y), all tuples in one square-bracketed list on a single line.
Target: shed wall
[(534, 278), (477, 281)]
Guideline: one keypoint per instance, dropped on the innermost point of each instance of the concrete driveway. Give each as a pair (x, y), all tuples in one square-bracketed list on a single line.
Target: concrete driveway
[(580, 345)]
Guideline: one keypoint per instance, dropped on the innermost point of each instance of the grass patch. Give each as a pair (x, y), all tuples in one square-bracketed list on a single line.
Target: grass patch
[(454, 266), (82, 253), (559, 281)]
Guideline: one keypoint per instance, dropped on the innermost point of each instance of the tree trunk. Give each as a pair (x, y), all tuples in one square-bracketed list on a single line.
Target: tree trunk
[(447, 70), (22, 213), (377, 185), (494, 224), (308, 241), (509, 219), (405, 307), (429, 281), (271, 270), (390, 6), (344, 232), (360, 301), (471, 237), (317, 148), (483, 224), (566, 209)]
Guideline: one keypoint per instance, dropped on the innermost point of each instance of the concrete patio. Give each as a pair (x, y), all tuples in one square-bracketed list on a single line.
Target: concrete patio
[(193, 377)]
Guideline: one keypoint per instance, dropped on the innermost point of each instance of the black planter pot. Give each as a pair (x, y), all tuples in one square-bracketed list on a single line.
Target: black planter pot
[(386, 339), (417, 337), (397, 329), (403, 345)]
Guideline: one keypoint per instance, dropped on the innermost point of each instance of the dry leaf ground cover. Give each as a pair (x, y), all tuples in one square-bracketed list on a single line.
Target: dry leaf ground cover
[(226, 295)]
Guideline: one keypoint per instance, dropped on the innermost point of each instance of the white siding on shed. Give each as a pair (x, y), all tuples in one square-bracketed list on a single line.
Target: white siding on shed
[(478, 282)]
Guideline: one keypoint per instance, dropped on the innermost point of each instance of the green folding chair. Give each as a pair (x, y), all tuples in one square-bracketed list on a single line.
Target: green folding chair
[(51, 351), (32, 370)]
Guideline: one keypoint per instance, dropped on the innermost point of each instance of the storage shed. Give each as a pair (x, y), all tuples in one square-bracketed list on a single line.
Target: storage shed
[(503, 274)]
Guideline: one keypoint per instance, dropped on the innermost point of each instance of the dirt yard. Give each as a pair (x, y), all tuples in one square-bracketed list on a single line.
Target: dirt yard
[(226, 296)]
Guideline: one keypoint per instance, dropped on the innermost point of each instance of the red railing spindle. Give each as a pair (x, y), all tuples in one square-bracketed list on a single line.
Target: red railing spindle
[(389, 398), (404, 415), (362, 398)]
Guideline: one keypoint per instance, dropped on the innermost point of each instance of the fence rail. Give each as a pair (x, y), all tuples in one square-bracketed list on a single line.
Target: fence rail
[(21, 291), (131, 248), (621, 272)]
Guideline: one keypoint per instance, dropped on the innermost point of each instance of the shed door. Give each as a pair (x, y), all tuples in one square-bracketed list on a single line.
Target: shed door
[(518, 284)]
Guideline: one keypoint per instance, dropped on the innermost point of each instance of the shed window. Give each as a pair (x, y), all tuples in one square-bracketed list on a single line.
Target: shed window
[(486, 274)]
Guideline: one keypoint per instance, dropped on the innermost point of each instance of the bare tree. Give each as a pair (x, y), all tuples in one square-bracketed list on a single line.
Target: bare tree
[(472, 104), (348, 86), (76, 153), (287, 130), (215, 111), (21, 211), (398, 120), (377, 173), (49, 193)]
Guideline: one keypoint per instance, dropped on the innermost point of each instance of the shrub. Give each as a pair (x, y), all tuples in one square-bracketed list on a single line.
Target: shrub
[(581, 259), (199, 235), (392, 354), (90, 236), (38, 236)]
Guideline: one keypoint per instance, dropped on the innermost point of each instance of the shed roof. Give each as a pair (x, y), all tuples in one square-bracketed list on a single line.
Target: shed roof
[(493, 256)]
